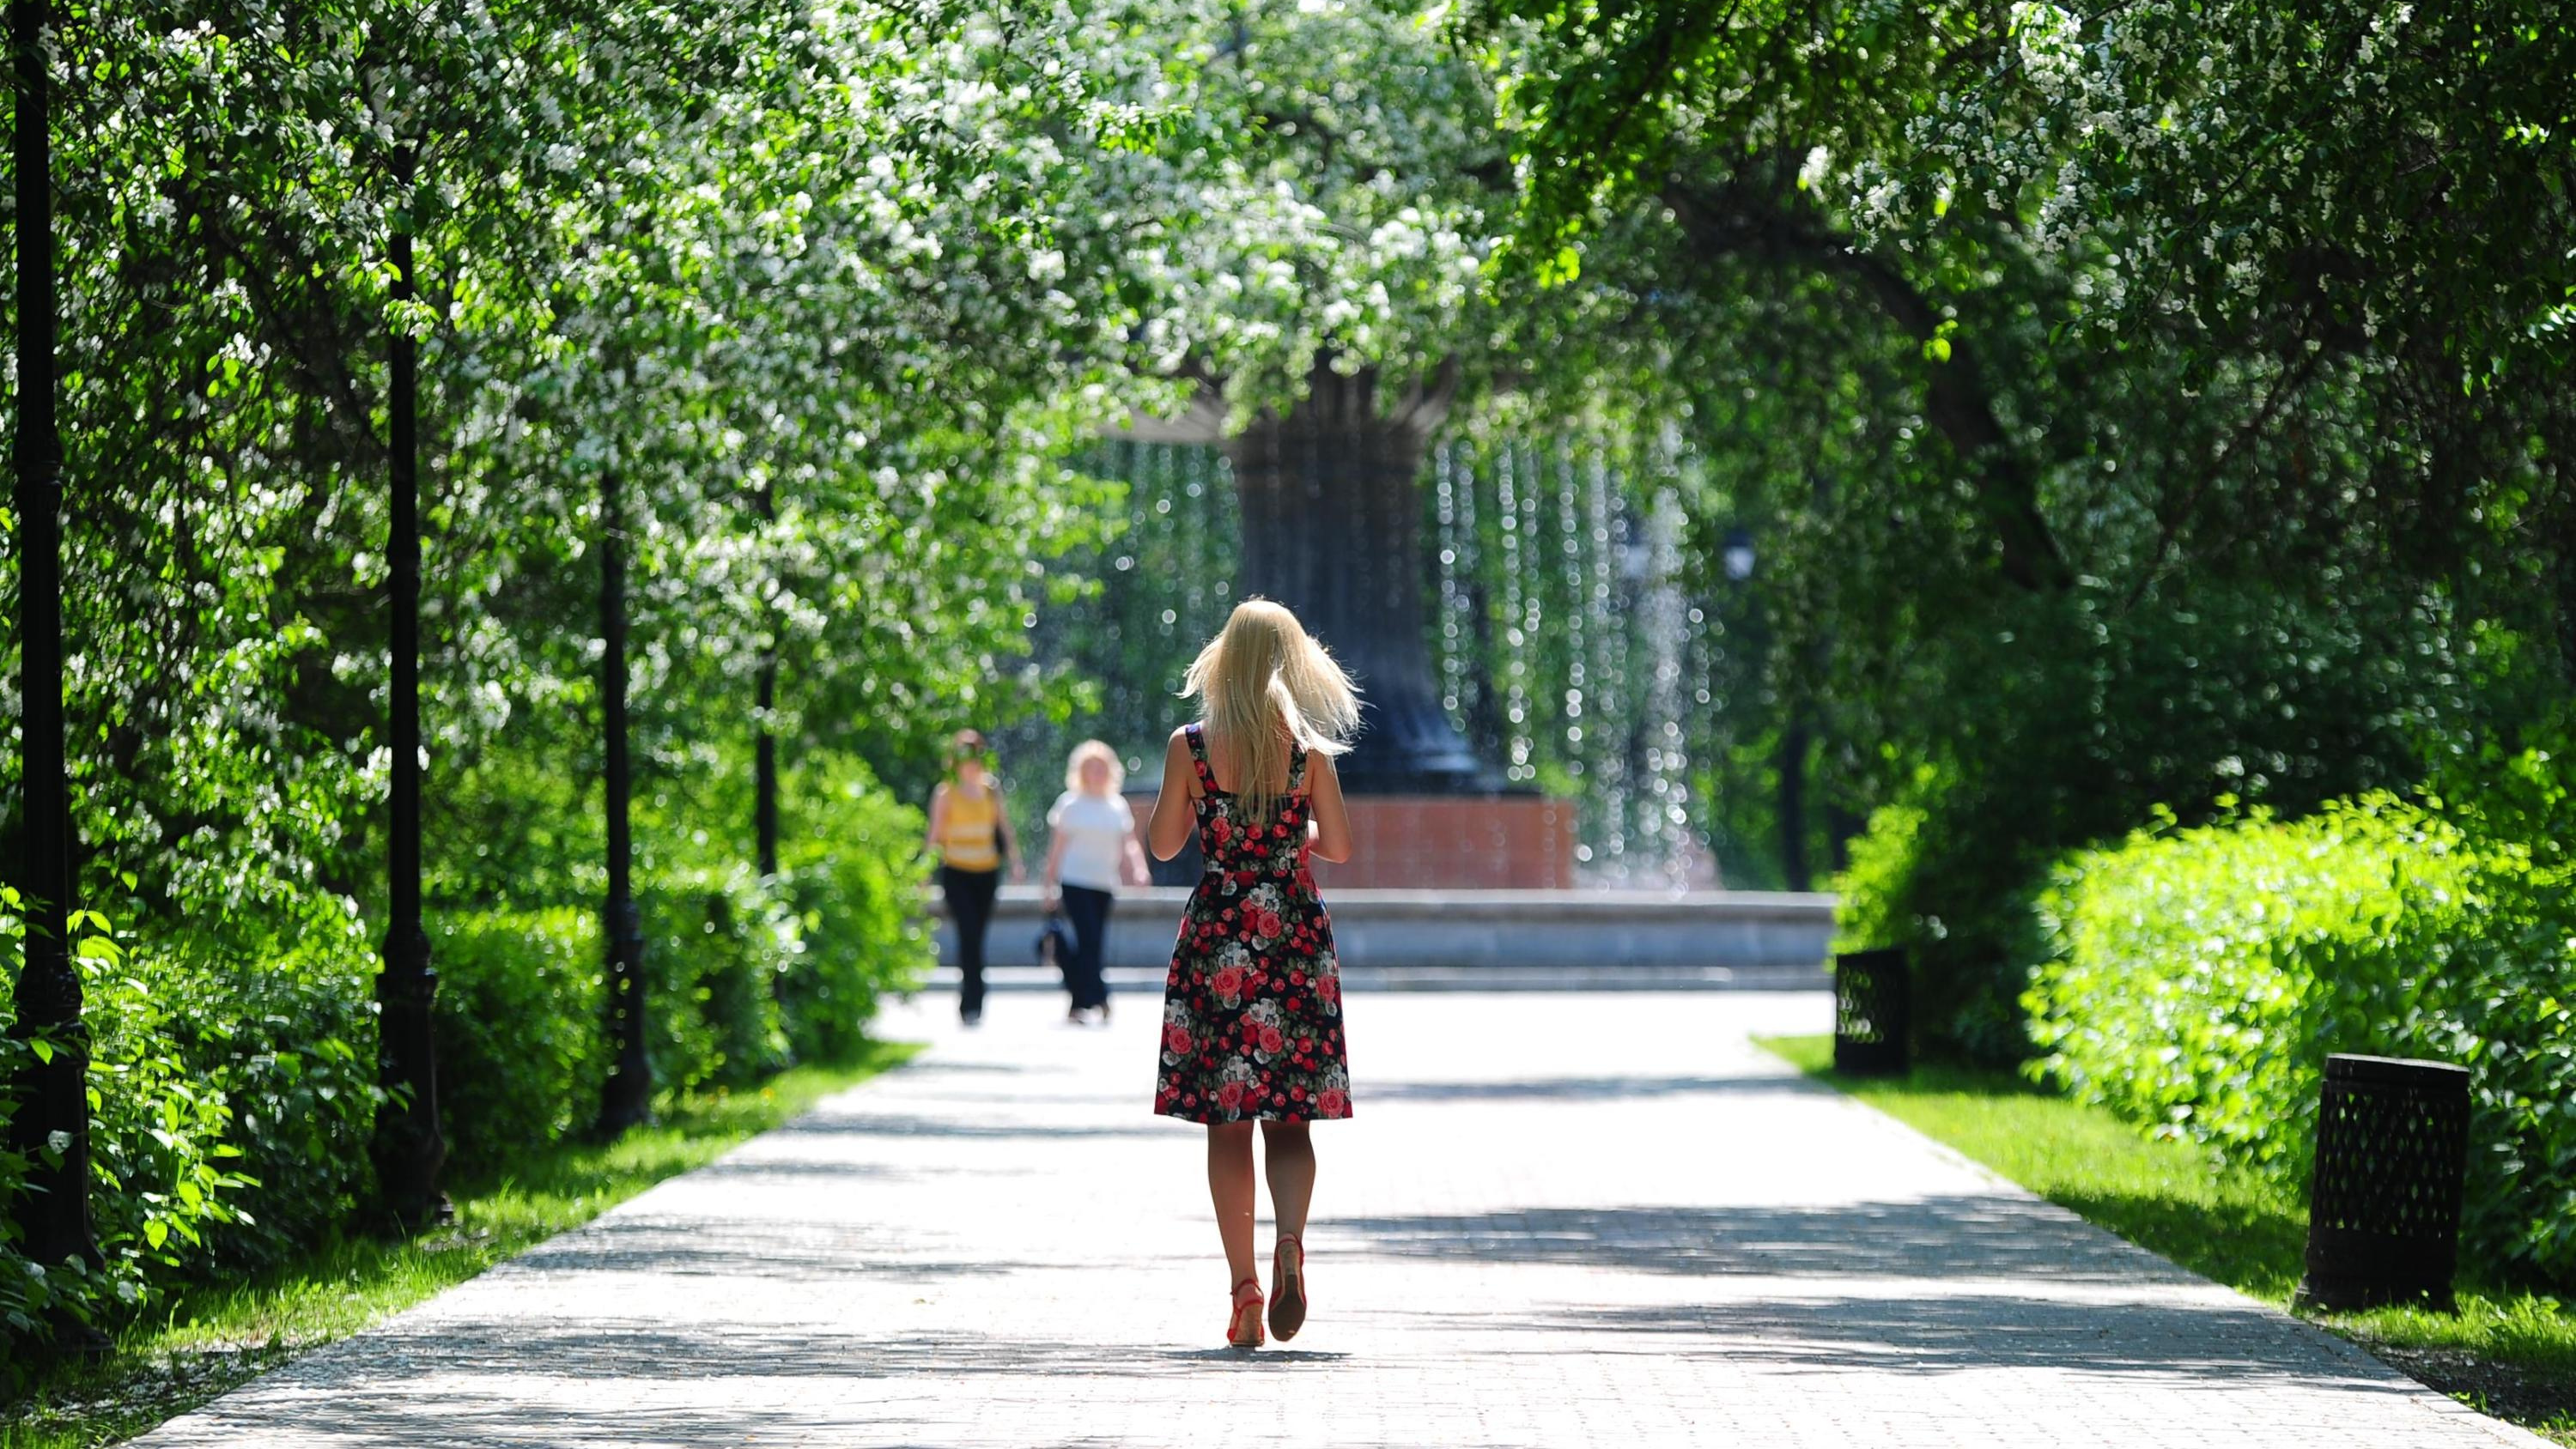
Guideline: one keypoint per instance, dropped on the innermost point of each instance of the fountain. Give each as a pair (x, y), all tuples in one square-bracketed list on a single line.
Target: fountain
[(1547, 646), (1536, 669), (1331, 517), (1330, 502)]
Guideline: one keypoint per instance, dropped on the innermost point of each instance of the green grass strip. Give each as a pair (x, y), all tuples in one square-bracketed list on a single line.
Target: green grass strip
[(212, 1339), (2507, 1352)]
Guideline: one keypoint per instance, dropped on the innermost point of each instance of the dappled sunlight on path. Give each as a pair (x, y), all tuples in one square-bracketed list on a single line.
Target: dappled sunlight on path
[(1557, 1220)]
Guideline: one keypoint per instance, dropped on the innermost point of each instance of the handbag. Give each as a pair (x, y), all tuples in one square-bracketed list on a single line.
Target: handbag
[(1055, 942)]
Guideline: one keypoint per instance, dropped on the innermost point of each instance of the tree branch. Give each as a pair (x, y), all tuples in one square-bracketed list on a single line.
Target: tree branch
[(1737, 219)]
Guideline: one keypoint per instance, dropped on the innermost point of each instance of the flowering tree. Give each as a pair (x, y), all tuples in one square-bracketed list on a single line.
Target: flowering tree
[(1307, 242), (2158, 405), (785, 275)]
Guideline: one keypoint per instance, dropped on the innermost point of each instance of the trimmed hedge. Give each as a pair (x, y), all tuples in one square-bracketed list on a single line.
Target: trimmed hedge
[(2196, 980)]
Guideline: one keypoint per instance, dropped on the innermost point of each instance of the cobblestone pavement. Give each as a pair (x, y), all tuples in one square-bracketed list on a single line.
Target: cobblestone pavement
[(1558, 1220)]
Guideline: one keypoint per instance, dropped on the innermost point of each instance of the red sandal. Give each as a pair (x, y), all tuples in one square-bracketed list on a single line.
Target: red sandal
[(1287, 1289), (1243, 1327)]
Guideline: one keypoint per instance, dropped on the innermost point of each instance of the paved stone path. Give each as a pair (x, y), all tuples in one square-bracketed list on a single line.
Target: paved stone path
[(1558, 1221)]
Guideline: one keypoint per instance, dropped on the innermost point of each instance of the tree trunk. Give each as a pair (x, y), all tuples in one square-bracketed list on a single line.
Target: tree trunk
[(1794, 872), (1332, 513), (1841, 826), (1742, 217)]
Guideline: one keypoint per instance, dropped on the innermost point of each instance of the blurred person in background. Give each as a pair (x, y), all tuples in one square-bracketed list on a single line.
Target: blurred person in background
[(1091, 851), (971, 835)]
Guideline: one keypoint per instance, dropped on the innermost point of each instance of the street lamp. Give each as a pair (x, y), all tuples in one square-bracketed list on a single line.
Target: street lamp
[(1737, 556), (49, 1126), (626, 1099), (408, 1146)]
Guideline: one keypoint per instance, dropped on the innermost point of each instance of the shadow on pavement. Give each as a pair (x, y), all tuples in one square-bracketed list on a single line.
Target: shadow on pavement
[(879, 1124), (935, 1066), (769, 1166), (1575, 1089), (783, 1251), (1954, 1237), (660, 1352), (1931, 1334)]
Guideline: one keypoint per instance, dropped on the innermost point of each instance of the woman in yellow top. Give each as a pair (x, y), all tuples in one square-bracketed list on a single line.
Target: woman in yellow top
[(972, 837)]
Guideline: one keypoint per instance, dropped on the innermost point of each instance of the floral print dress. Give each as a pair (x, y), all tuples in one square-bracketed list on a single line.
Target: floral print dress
[(1252, 1010)]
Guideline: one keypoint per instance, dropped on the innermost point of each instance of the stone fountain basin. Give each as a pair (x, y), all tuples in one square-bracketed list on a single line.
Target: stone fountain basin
[(1481, 939)]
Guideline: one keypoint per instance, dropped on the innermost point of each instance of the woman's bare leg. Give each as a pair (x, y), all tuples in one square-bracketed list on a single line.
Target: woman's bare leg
[(1289, 1158), (1230, 1186)]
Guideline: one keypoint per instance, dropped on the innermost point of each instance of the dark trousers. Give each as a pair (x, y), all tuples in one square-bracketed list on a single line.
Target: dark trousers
[(970, 909), (1087, 911)]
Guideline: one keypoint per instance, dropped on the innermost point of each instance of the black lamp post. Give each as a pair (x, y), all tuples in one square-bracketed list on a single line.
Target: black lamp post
[(408, 1147), (627, 1098), (764, 747), (50, 1126), (764, 769)]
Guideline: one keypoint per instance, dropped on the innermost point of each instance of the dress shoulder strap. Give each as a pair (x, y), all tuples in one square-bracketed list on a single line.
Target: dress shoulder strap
[(1296, 769), (1197, 736)]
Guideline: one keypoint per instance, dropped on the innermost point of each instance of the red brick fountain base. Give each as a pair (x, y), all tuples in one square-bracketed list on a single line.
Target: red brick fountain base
[(1457, 842), (1448, 842)]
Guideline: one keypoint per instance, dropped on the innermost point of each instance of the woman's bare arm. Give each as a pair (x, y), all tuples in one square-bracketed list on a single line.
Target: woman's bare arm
[(1332, 841), (1169, 829), (1054, 862), (1002, 831), (938, 819)]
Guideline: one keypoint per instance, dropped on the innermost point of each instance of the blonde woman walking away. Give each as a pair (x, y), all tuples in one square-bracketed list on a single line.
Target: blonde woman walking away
[(1091, 851), (1252, 1009), (971, 836)]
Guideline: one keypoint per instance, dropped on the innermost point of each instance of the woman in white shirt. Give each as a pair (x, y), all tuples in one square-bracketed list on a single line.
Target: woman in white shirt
[(1092, 852)]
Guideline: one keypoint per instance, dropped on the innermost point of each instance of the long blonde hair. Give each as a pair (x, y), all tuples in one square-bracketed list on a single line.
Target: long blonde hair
[(1094, 750), (1261, 682)]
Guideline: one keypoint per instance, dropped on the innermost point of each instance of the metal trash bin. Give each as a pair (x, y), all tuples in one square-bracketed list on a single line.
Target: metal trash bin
[(2384, 1203), (1872, 1012)]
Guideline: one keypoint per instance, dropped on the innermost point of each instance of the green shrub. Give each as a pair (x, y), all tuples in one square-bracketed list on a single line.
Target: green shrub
[(522, 1051), (743, 975), (27, 1289), (852, 876), (289, 1047), (1870, 907), (716, 944), (2196, 980), (234, 1087), (2058, 722), (230, 1107), (1925, 875)]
